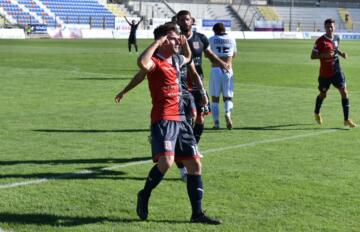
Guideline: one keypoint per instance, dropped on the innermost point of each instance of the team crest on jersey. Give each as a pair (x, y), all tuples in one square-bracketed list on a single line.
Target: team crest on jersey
[(196, 45), (168, 145)]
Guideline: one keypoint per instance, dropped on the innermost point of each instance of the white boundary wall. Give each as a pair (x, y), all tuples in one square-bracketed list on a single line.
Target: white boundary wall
[(12, 34), (83, 33)]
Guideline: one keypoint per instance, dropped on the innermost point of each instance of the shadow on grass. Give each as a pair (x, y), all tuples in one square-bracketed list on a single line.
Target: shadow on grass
[(58, 220), (91, 130), (68, 221), (76, 161), (284, 127)]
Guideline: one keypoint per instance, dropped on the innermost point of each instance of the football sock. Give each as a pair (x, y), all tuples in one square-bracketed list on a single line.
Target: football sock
[(198, 130), (215, 111), (345, 106), (228, 106), (129, 47), (154, 178), (136, 49), (195, 192), (318, 103)]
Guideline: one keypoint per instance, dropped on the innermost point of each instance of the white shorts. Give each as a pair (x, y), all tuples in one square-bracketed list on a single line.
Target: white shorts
[(221, 82)]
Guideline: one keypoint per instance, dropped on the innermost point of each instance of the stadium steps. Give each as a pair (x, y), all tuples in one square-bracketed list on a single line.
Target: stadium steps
[(115, 9), (346, 18), (269, 13)]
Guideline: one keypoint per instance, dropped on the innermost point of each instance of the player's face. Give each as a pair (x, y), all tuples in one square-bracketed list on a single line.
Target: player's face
[(185, 23), (330, 28), (173, 41)]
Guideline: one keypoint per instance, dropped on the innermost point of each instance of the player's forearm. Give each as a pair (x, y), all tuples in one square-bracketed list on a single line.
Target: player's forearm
[(197, 79), (186, 52), (144, 60), (137, 79)]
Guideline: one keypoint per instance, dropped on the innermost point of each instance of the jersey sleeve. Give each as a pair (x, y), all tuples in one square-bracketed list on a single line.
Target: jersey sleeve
[(155, 64), (317, 46)]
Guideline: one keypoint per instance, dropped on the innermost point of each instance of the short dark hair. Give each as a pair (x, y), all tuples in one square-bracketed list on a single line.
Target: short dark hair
[(329, 21), (182, 13), (219, 29), (164, 29)]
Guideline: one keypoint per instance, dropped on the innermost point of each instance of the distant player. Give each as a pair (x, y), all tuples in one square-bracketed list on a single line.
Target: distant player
[(132, 36), (199, 44), (224, 46), (327, 50)]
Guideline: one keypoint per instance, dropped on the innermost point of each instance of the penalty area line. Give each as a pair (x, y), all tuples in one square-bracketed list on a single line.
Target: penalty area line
[(209, 151)]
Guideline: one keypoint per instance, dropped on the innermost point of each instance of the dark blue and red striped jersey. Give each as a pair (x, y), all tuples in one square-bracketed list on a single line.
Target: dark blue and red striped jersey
[(328, 66), (165, 89)]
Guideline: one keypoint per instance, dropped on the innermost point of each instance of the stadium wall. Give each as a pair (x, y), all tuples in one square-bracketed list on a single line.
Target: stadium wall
[(12, 34), (79, 33)]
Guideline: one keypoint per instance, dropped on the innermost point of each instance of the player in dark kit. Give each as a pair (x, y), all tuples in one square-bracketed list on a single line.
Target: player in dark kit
[(326, 49), (172, 138), (198, 44), (132, 36)]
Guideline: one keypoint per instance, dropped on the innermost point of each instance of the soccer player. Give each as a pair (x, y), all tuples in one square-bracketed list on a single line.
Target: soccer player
[(326, 49), (132, 36), (224, 47), (199, 44), (171, 136)]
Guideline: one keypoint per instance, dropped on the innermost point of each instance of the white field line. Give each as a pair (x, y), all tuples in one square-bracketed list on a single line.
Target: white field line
[(87, 172)]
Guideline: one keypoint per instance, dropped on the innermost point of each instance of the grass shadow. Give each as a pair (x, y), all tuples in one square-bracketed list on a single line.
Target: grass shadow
[(91, 130)]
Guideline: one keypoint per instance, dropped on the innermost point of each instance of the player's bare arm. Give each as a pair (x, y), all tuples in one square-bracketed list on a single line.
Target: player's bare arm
[(144, 61), (137, 79), (216, 60), (342, 54), (197, 79), (316, 55), (185, 49)]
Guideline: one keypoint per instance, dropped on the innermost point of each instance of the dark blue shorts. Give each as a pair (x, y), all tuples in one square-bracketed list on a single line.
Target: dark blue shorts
[(338, 80), (173, 138)]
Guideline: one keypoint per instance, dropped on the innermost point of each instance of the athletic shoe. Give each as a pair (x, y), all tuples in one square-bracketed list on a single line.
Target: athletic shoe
[(349, 123), (204, 219), (142, 205), (229, 123), (318, 119), (183, 174)]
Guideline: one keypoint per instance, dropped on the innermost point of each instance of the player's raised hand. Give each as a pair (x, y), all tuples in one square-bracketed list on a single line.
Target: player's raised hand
[(183, 40), (162, 40)]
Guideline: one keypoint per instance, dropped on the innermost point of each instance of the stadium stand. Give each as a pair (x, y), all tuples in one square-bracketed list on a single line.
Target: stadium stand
[(54, 12), (209, 11), (269, 13), (34, 7), (89, 12), (17, 13), (116, 10), (346, 19), (355, 18), (308, 18)]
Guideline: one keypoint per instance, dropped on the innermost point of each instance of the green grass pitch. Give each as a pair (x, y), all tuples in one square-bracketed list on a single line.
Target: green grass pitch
[(73, 160)]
